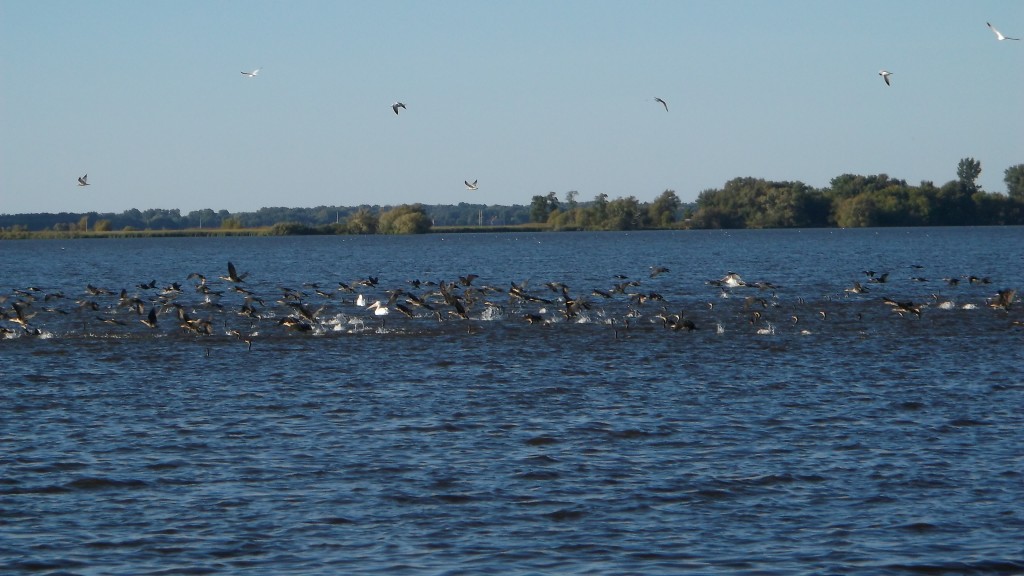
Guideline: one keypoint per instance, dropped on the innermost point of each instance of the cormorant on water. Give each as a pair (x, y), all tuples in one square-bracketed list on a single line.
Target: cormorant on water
[(233, 275)]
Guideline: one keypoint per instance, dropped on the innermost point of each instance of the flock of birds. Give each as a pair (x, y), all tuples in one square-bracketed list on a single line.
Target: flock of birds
[(230, 306), (885, 74)]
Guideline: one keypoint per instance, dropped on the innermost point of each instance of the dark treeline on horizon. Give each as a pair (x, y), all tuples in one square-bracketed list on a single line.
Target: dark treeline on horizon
[(849, 201)]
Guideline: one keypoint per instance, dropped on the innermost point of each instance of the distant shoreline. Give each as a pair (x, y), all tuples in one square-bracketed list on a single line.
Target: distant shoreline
[(242, 232)]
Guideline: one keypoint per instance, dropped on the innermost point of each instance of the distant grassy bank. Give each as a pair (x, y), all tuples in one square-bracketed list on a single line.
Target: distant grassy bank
[(184, 233), (260, 231)]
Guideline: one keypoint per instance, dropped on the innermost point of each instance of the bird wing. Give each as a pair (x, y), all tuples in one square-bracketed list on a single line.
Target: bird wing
[(999, 35)]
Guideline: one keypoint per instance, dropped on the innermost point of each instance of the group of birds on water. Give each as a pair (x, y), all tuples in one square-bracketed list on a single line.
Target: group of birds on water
[(885, 74), (228, 306)]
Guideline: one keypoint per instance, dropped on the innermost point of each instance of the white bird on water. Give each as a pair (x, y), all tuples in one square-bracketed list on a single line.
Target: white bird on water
[(396, 106), (252, 74), (472, 186), (379, 309), (84, 180), (999, 35), (885, 76)]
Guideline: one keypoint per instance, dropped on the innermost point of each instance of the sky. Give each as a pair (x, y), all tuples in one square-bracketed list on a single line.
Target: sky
[(526, 97)]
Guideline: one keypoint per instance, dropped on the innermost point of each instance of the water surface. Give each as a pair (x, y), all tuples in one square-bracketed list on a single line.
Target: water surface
[(849, 439)]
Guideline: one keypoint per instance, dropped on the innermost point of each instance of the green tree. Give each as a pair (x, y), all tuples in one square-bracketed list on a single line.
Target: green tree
[(1014, 178), (858, 211), (600, 210), (953, 205), (552, 202), (662, 212), (404, 219), (625, 214), (541, 207), (967, 173), (570, 200), (204, 218), (362, 222)]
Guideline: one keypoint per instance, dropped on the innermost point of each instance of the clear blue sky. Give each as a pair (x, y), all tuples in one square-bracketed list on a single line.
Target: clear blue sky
[(528, 97)]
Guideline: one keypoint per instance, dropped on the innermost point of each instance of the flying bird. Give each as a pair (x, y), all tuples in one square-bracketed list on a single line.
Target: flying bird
[(84, 180), (233, 276), (150, 320), (472, 186), (656, 99), (885, 76), (252, 74), (999, 35), (396, 106)]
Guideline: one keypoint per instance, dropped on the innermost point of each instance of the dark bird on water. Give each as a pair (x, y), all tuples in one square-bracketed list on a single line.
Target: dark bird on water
[(1004, 299), (233, 275), (902, 308), (150, 320)]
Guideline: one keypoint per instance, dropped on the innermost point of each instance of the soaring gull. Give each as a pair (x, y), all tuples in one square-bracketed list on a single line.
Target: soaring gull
[(999, 35)]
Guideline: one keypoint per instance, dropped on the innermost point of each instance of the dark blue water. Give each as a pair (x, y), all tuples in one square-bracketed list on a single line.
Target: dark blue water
[(800, 428)]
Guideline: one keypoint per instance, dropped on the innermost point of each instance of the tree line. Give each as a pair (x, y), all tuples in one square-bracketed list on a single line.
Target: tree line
[(365, 219), (859, 201), (849, 201)]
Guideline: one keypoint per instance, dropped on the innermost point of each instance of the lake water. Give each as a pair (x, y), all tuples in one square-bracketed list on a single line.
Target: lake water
[(801, 428)]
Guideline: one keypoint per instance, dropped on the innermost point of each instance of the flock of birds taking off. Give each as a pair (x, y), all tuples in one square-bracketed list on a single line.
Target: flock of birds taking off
[(885, 74), (231, 305)]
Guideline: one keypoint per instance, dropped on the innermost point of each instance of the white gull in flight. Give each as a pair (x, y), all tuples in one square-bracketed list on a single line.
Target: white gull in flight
[(999, 35)]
